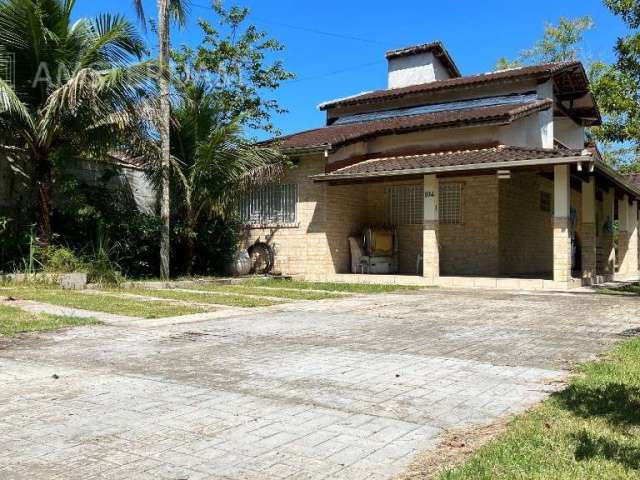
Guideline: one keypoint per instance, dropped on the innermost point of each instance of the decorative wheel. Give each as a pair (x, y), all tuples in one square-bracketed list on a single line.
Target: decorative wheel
[(262, 257)]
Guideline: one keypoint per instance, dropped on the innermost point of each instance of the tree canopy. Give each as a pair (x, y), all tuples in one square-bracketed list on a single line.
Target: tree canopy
[(559, 43)]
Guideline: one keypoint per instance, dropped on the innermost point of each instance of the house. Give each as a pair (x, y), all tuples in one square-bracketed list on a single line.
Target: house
[(488, 180)]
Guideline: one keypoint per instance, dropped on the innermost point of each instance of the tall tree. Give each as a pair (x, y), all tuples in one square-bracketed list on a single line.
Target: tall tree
[(232, 59), (74, 87), (617, 89), (166, 9), (559, 43), (212, 161)]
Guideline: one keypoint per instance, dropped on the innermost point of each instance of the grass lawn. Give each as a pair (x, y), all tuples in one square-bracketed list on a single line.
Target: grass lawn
[(632, 288), (99, 303), (14, 321), (204, 297), (589, 431), (328, 286), (273, 291)]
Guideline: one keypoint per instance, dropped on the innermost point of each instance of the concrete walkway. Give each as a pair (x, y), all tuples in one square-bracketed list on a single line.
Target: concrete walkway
[(339, 389)]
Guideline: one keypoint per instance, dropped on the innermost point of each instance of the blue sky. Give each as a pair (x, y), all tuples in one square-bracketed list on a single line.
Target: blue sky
[(352, 60)]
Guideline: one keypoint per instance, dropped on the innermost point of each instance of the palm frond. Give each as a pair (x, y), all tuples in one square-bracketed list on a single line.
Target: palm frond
[(179, 11), (113, 40), (10, 105)]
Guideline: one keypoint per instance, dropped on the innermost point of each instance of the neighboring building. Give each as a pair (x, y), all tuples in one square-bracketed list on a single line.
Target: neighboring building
[(486, 178)]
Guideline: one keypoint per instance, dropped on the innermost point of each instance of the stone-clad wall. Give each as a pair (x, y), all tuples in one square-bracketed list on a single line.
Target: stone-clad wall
[(504, 231), (471, 248), (327, 216), (526, 231)]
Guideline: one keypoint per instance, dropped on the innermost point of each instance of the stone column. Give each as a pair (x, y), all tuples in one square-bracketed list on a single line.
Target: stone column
[(632, 253), (623, 235), (589, 230), (430, 250), (608, 251), (561, 238)]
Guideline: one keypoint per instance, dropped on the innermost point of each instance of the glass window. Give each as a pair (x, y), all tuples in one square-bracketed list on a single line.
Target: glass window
[(270, 205)]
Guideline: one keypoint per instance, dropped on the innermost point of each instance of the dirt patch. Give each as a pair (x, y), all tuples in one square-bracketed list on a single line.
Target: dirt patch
[(454, 450)]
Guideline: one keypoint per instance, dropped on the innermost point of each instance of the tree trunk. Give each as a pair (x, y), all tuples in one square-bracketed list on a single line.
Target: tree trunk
[(189, 249), (44, 181), (165, 122)]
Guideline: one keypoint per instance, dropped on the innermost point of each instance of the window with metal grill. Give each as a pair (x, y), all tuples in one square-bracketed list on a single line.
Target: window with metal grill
[(450, 203), (270, 205), (404, 204)]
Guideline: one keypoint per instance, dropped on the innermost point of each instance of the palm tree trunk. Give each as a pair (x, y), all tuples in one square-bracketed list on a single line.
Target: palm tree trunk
[(44, 181), (189, 250), (165, 121)]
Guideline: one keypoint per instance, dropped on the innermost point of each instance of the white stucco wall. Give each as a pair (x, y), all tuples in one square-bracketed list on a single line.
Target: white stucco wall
[(525, 132), (415, 69), (569, 132)]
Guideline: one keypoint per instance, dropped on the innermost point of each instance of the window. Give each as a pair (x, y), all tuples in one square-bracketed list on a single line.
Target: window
[(270, 205), (404, 205), (450, 203)]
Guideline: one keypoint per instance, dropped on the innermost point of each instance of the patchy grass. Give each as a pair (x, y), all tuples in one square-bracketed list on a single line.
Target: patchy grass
[(329, 286), (204, 297), (589, 431), (267, 291), (633, 288), (100, 303), (14, 321)]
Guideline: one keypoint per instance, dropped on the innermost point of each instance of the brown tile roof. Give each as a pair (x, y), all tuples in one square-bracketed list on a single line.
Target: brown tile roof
[(634, 179), (394, 165), (335, 135), (535, 71), (438, 50)]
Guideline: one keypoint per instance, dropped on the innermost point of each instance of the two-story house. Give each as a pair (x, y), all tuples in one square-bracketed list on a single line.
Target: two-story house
[(487, 180)]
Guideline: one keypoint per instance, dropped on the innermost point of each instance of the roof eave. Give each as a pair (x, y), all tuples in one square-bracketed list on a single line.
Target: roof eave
[(620, 180), (307, 150), (333, 177)]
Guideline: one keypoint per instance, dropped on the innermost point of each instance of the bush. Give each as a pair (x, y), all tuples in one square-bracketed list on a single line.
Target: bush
[(215, 242), (89, 213), (58, 259)]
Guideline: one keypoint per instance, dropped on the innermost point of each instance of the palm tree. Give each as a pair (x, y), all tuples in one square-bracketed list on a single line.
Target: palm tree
[(212, 162), (74, 89), (166, 9)]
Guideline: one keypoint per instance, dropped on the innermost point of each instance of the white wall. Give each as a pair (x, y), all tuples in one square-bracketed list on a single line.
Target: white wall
[(569, 132), (415, 69)]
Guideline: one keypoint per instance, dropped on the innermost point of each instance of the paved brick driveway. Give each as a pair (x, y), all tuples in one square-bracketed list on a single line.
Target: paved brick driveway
[(347, 389)]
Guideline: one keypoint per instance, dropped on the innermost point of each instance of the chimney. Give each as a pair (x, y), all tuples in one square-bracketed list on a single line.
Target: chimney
[(420, 64)]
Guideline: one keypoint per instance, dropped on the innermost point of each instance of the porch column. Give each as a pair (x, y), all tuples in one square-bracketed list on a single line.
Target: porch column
[(632, 253), (589, 230), (623, 235), (561, 238), (608, 250), (430, 251)]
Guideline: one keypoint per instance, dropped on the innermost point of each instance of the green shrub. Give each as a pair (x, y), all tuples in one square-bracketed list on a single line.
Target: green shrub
[(58, 259)]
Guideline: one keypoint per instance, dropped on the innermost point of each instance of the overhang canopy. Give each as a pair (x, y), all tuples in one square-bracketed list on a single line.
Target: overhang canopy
[(472, 160)]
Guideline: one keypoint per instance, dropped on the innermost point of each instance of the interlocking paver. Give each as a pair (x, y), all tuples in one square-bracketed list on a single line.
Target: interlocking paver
[(352, 388)]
